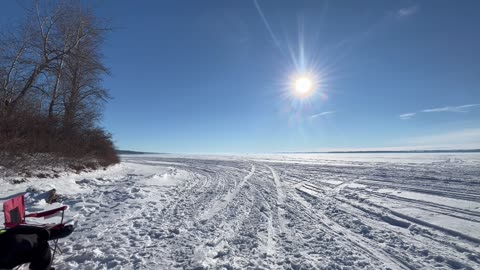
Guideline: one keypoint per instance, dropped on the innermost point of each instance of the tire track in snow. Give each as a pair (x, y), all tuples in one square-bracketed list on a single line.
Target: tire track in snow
[(278, 185), (263, 214), (221, 204), (364, 244), (280, 200), (435, 207), (231, 230), (267, 210), (285, 235)]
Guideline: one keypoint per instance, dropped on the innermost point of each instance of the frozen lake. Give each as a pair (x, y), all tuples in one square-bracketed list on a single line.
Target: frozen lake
[(296, 211)]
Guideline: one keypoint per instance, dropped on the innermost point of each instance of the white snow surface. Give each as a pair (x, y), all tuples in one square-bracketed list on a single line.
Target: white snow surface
[(297, 211)]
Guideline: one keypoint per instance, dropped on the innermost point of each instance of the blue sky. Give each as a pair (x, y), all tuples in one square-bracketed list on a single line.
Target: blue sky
[(215, 76)]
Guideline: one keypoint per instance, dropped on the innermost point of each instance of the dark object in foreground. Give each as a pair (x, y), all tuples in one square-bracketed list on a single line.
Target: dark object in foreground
[(21, 243), (29, 244), (25, 244)]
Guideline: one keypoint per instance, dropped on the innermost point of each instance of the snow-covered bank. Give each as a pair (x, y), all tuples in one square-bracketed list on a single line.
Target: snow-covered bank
[(402, 211)]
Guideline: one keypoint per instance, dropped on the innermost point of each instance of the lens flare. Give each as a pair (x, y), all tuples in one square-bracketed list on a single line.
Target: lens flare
[(303, 86), (307, 70)]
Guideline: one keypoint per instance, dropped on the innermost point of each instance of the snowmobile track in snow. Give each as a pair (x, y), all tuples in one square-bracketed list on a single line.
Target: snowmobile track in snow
[(276, 212)]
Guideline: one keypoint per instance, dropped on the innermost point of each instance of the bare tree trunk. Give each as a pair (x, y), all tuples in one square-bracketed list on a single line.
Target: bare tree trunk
[(26, 87), (55, 89)]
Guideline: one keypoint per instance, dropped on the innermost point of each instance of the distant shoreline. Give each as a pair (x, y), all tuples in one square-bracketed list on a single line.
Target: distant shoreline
[(130, 152), (388, 152)]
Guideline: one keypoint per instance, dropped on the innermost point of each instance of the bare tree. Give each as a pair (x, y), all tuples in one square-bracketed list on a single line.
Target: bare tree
[(46, 40), (51, 72), (82, 89)]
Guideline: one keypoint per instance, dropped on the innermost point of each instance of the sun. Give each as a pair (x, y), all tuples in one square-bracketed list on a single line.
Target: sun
[(303, 86)]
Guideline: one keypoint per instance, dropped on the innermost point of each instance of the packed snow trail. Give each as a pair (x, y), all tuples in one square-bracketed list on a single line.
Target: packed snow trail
[(274, 212)]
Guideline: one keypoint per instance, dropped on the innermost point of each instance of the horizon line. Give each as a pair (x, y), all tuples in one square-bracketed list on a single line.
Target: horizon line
[(385, 151)]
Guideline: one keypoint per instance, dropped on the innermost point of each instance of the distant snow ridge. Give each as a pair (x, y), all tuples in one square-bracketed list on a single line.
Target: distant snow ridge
[(271, 212)]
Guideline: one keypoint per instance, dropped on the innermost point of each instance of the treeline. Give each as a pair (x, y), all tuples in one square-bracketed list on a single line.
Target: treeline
[(51, 93)]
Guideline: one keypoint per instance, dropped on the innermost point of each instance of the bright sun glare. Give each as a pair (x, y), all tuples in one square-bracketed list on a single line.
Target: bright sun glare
[(303, 86)]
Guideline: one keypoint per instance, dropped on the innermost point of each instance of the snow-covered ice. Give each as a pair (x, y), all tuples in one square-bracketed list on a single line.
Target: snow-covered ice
[(312, 211)]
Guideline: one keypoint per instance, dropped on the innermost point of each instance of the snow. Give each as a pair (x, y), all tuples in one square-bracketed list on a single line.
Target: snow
[(463, 204), (449, 220), (305, 211)]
